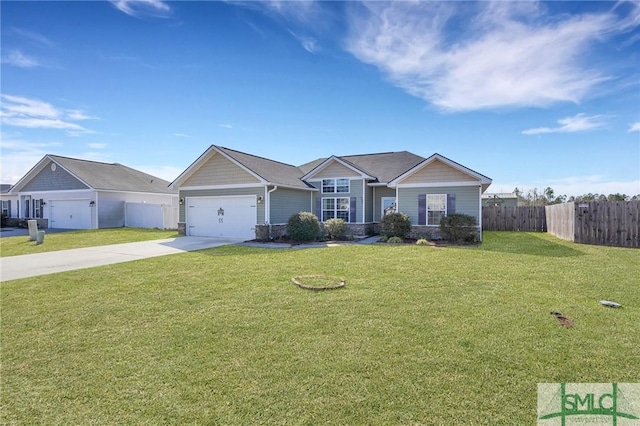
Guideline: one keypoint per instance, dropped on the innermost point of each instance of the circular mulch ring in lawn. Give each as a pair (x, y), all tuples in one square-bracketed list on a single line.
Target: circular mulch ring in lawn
[(318, 282)]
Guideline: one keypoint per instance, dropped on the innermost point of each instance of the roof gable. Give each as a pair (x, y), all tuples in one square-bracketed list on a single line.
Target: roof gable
[(221, 170), (335, 167), (439, 169), (53, 177), (94, 175), (265, 171)]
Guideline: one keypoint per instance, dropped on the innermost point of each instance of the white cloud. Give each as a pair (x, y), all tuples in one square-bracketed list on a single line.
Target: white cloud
[(18, 105), (143, 8), (18, 111), (577, 123), (309, 44), (181, 135), (18, 59), (97, 145), (41, 123), (635, 127), (307, 16), (78, 115), (226, 126), (481, 55), (304, 11), (33, 37)]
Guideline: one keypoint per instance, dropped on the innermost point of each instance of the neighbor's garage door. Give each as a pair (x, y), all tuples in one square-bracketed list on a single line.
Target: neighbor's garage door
[(233, 217), (70, 214)]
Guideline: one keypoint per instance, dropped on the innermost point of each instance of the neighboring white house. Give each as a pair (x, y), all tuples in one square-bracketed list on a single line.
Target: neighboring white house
[(70, 193)]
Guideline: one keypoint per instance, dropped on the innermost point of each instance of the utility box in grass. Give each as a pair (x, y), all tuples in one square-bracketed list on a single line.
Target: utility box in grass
[(33, 229), (40, 237)]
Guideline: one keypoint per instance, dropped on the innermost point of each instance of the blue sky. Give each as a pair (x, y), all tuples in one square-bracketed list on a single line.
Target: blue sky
[(531, 94)]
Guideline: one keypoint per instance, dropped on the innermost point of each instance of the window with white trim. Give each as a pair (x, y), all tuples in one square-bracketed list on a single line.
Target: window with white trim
[(37, 209), (331, 186), (335, 208), (436, 208), (5, 208)]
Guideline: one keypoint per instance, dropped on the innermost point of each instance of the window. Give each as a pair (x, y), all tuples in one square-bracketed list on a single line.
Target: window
[(342, 185), (388, 205), (436, 208), (335, 208), (37, 209), (5, 208), (330, 186)]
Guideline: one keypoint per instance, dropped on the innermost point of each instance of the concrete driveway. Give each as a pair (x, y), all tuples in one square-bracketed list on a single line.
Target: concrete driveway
[(31, 265)]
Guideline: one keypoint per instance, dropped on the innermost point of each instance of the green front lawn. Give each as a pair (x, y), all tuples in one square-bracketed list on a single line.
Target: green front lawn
[(419, 335), (13, 246)]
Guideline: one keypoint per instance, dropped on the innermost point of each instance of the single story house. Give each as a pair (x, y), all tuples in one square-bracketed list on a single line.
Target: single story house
[(70, 193), (227, 193)]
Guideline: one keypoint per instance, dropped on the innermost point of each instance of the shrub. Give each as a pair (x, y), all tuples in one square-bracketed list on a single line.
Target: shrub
[(383, 239), (396, 225), (395, 240), (458, 227), (303, 226), (336, 228), (422, 242)]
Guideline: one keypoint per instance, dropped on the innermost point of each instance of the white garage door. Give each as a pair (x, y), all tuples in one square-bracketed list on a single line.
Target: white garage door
[(231, 217), (70, 214)]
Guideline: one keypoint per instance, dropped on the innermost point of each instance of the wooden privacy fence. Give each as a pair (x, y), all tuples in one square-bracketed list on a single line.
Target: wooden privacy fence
[(512, 218), (610, 223)]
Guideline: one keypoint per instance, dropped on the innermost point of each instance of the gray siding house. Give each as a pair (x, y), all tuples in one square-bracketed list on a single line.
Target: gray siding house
[(69, 193), (227, 193)]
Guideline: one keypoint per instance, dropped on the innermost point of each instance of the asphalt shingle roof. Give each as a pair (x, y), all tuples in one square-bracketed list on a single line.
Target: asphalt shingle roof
[(270, 170), (385, 166), (113, 176)]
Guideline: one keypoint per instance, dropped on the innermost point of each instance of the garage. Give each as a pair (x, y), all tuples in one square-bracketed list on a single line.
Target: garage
[(70, 214), (229, 217)]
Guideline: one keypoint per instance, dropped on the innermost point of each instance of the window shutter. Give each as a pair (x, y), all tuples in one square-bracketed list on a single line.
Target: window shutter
[(41, 208), (451, 203), (319, 208), (352, 210), (422, 209)]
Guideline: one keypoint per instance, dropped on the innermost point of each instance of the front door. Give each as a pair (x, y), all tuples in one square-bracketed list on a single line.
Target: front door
[(388, 205)]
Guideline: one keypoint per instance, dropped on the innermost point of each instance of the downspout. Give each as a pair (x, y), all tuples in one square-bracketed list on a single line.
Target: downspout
[(364, 201), (480, 211), (267, 205), (373, 204), (93, 208)]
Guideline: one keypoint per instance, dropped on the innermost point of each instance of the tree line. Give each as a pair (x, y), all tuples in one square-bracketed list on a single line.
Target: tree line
[(537, 197)]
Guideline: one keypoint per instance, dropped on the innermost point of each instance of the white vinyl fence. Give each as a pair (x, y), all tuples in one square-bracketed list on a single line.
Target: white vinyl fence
[(144, 215)]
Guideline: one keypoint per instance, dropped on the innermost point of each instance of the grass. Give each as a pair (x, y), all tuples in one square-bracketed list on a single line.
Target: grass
[(419, 335), (13, 246)]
